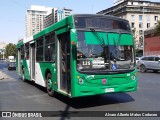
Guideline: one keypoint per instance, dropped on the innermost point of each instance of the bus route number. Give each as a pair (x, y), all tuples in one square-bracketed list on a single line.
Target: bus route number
[(86, 63)]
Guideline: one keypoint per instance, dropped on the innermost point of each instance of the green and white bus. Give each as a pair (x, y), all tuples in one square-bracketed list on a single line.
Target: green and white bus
[(81, 55)]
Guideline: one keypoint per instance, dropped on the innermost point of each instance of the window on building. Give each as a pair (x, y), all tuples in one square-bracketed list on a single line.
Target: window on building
[(140, 17), (133, 17), (39, 49), (155, 18), (140, 25), (148, 18), (50, 47), (141, 40), (132, 24), (148, 25), (140, 32)]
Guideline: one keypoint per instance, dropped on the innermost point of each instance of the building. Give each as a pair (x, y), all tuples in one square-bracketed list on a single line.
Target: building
[(56, 15), (2, 50), (35, 19), (140, 13), (49, 19), (151, 42), (61, 14)]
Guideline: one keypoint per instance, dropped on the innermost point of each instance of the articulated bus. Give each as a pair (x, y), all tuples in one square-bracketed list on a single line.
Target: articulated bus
[(81, 55)]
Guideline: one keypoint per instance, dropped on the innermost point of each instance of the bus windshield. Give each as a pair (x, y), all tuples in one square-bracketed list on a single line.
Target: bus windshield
[(92, 55)]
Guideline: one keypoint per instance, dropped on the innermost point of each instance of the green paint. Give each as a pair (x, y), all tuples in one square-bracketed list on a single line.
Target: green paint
[(26, 70), (91, 38), (93, 85), (59, 27), (45, 66), (19, 44), (108, 38)]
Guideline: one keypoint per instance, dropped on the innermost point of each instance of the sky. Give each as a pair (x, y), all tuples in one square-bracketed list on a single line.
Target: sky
[(12, 13)]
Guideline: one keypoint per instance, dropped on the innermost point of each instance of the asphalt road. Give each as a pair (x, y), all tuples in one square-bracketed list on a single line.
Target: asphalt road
[(16, 95)]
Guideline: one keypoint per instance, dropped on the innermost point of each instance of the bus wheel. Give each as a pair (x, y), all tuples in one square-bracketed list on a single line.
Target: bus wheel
[(143, 68), (49, 85)]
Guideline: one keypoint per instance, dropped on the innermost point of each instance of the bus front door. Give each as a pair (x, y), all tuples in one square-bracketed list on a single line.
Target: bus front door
[(64, 79)]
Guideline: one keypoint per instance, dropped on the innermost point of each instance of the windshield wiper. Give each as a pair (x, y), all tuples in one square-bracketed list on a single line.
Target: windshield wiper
[(102, 43), (119, 38), (99, 39)]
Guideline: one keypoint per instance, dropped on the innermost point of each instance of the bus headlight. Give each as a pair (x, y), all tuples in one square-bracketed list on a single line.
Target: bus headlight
[(133, 77), (80, 81)]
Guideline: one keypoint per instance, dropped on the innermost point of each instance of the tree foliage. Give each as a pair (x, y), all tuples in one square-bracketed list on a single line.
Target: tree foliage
[(157, 29), (10, 50)]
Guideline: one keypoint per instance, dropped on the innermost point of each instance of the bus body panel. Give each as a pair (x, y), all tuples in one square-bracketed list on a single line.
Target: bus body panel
[(49, 67), (93, 84), (88, 90), (25, 64), (39, 79)]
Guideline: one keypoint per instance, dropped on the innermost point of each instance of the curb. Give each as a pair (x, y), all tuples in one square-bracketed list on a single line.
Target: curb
[(3, 75)]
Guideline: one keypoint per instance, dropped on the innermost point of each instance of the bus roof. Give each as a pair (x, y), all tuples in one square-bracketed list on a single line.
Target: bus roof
[(99, 15)]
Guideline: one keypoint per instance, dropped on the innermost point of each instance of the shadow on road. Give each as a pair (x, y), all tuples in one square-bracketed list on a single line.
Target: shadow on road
[(92, 101), (89, 101), (37, 86), (149, 71), (84, 102)]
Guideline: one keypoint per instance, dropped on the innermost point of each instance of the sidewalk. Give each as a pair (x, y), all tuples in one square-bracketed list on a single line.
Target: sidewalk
[(3, 75)]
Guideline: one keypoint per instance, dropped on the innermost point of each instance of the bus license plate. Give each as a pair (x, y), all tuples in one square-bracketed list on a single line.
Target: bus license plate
[(109, 90)]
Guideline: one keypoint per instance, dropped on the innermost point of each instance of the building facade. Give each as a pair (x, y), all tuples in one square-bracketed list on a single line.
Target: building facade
[(56, 15), (151, 42), (49, 19), (140, 13), (35, 19)]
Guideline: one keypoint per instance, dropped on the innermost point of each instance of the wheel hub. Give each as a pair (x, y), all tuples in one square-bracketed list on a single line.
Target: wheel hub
[(49, 85)]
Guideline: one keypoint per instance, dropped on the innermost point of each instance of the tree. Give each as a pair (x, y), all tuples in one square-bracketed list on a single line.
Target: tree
[(157, 29), (10, 50), (135, 36)]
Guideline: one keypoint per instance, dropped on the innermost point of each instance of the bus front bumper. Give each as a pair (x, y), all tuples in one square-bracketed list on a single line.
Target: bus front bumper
[(90, 90)]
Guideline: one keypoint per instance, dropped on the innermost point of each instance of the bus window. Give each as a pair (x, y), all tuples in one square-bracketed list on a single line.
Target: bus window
[(22, 52), (50, 47), (39, 50), (27, 51)]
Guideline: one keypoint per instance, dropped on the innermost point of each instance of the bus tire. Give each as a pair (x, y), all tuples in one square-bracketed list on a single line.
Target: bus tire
[(143, 68), (49, 84)]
